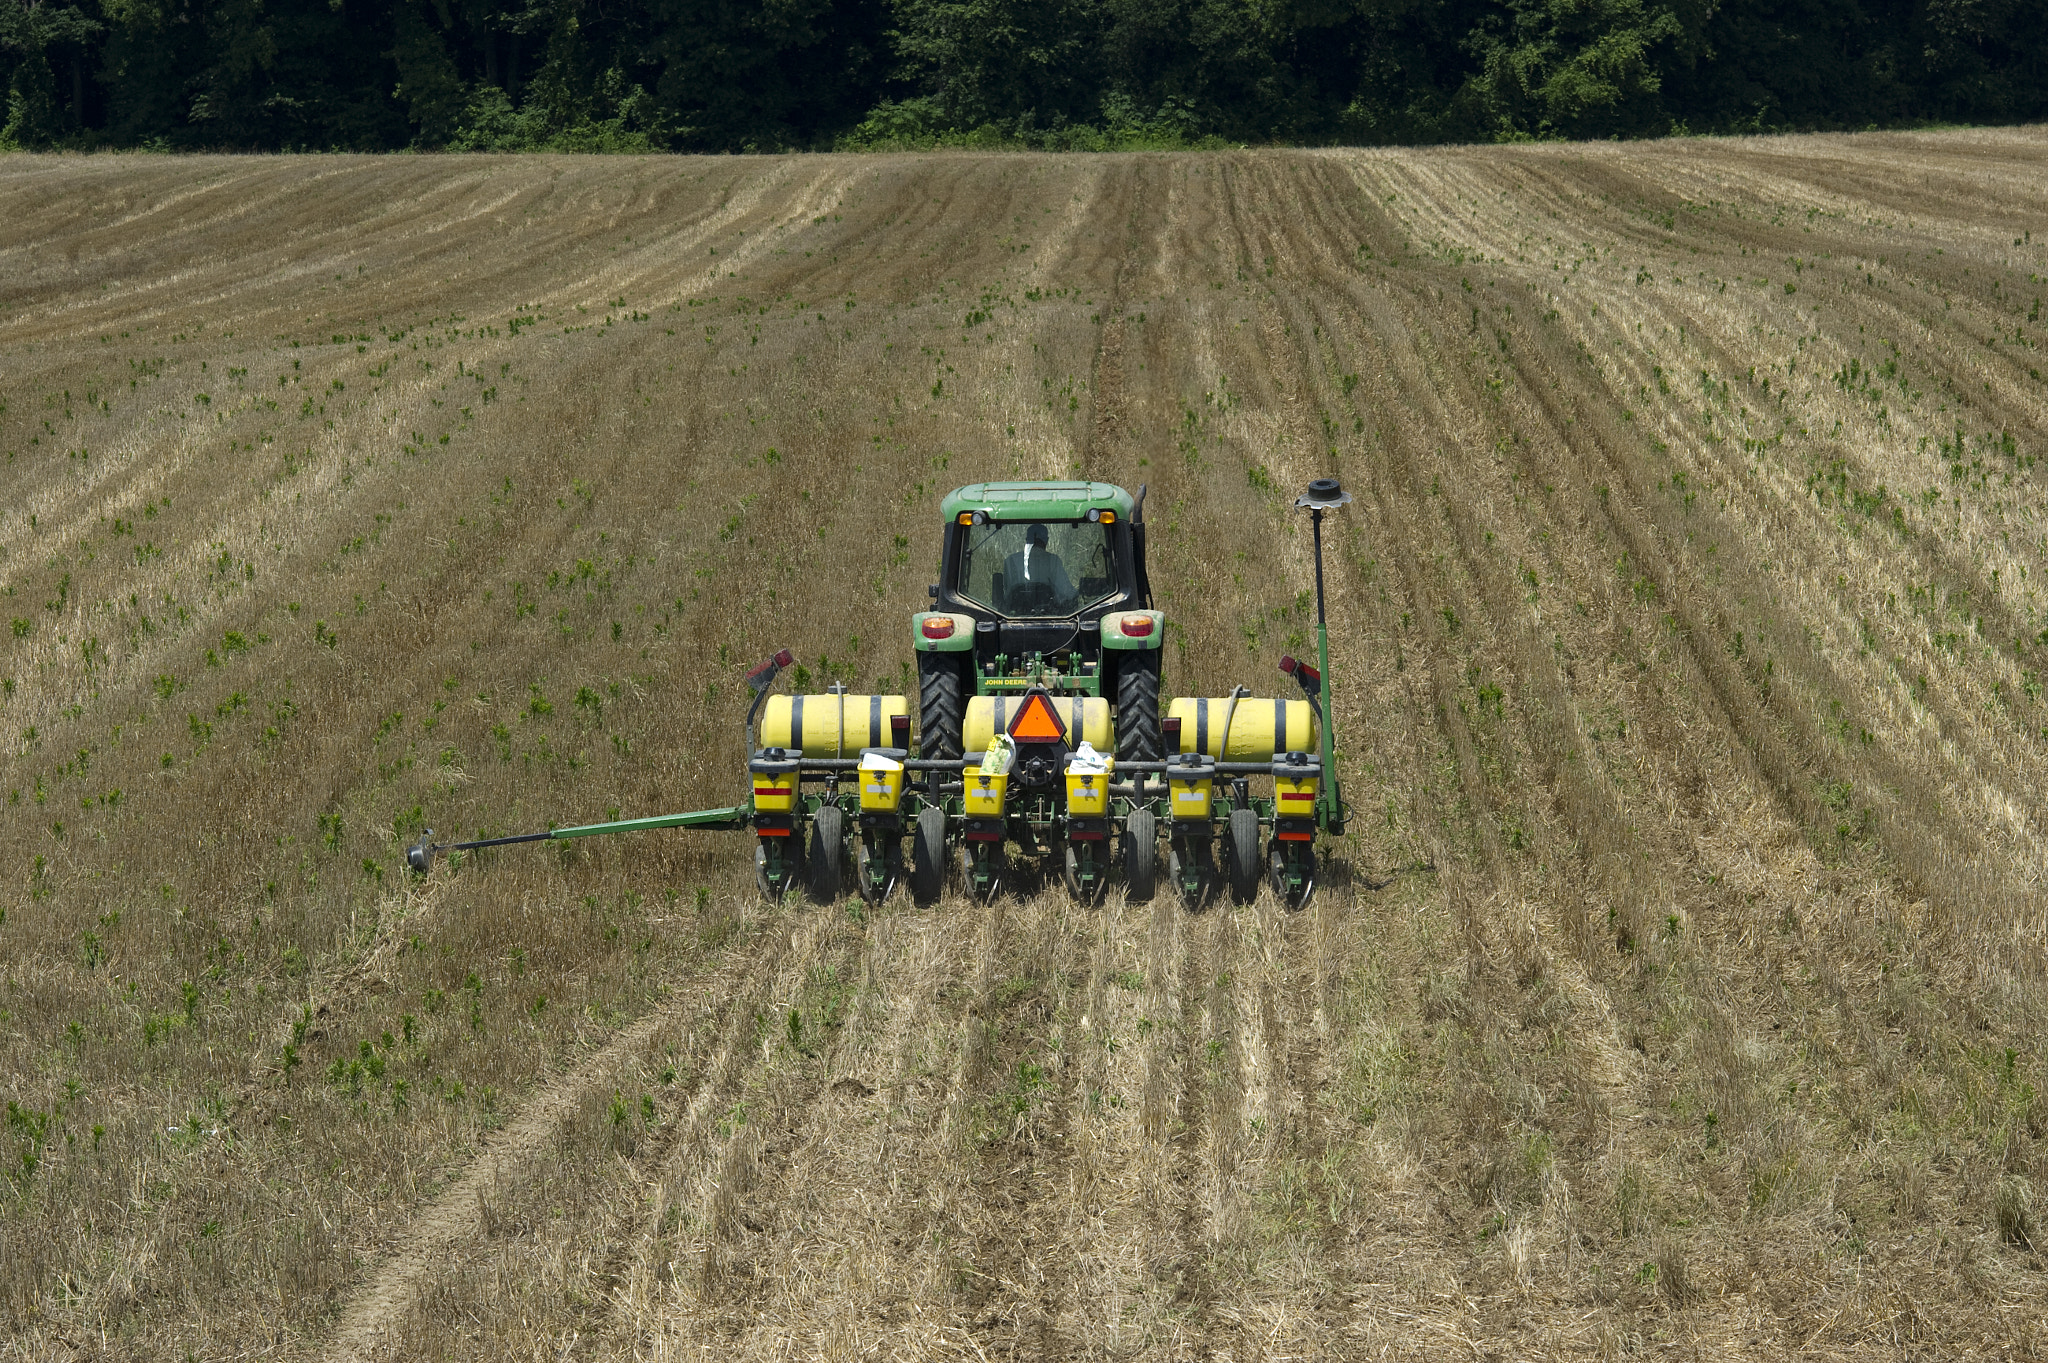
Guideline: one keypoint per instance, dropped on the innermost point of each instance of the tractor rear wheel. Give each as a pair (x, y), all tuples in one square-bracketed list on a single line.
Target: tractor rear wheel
[(928, 856), (1244, 855), (1137, 707), (828, 852), (1141, 855), (941, 706)]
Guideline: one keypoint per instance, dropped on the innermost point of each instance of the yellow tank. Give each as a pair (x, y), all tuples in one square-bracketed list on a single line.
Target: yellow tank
[(830, 726), (1086, 717), (1259, 726)]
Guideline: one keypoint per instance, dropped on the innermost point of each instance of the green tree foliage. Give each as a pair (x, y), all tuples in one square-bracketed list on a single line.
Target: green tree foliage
[(740, 75), (36, 41)]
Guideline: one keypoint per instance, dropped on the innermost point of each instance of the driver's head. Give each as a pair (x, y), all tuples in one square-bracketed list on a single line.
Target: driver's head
[(1036, 536)]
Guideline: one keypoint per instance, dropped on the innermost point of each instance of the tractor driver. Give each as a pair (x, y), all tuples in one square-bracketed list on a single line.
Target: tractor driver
[(1034, 578)]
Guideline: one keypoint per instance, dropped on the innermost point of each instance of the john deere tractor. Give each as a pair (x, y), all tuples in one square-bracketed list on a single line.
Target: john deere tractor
[(1040, 585), (1039, 728)]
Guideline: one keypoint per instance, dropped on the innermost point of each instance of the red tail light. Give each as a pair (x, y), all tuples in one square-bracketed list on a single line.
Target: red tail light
[(1136, 626), (938, 627)]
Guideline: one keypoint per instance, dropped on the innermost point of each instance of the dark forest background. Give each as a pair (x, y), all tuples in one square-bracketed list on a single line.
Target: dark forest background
[(758, 75)]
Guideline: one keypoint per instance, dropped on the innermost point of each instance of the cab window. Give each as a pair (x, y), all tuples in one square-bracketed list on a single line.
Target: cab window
[(1045, 569)]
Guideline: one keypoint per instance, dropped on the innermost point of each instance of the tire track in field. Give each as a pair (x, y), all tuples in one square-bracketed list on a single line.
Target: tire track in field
[(1077, 1206), (1023, 1175), (441, 1232), (455, 1218), (1180, 1119), (999, 1130), (1107, 401), (910, 1186), (711, 1178), (627, 1267), (734, 1222)]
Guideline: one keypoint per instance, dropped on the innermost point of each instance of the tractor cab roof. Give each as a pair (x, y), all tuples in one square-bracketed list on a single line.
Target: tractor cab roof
[(1042, 501)]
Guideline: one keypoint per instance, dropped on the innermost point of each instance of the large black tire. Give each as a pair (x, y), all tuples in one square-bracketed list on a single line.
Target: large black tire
[(1137, 706), (941, 705), (928, 856), (828, 852), (1141, 855), (1243, 854)]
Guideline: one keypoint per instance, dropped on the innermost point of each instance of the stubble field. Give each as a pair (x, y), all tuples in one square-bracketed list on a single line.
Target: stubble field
[(1679, 989)]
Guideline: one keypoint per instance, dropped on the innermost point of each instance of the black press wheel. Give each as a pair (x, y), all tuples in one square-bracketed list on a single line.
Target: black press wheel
[(1137, 707), (1243, 854), (941, 704), (1141, 855), (928, 856), (828, 852)]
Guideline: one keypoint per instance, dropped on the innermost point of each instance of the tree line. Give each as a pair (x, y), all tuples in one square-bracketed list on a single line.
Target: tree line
[(762, 75)]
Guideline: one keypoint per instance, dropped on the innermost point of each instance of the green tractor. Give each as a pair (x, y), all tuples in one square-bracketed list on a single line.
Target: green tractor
[(1040, 584), (1039, 727)]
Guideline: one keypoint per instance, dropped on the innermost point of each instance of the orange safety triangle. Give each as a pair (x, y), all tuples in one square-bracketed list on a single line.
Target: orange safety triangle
[(1037, 721)]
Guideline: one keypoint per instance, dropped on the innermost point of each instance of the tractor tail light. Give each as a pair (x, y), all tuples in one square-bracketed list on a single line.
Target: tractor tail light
[(783, 657), (1136, 626), (938, 627)]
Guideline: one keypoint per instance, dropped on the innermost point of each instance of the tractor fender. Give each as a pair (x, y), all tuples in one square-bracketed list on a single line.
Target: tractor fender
[(961, 640), (1116, 635)]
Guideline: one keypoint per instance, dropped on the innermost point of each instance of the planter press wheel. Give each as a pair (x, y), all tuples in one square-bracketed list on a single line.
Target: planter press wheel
[(828, 852)]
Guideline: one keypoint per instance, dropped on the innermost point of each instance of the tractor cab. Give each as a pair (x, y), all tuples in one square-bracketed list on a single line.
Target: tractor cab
[(1041, 584)]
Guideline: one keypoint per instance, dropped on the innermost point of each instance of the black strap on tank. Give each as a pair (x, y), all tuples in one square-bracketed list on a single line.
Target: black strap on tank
[(1202, 725), (1280, 743), (999, 716), (874, 721), (1076, 732), (796, 723)]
